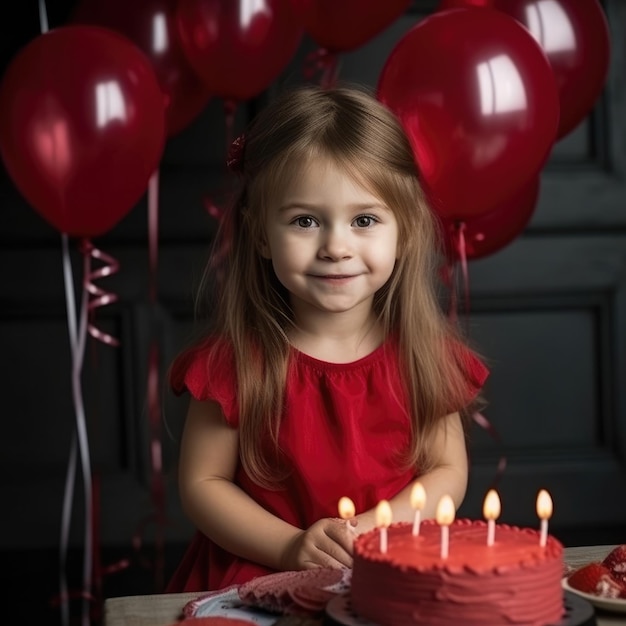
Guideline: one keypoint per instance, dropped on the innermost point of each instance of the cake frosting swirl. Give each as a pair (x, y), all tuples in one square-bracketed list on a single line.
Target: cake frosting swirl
[(514, 581)]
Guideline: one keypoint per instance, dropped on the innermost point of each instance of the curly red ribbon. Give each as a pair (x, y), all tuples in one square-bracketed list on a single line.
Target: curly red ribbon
[(99, 296)]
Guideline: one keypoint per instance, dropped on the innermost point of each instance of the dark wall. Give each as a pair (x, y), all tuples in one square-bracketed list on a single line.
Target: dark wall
[(548, 311)]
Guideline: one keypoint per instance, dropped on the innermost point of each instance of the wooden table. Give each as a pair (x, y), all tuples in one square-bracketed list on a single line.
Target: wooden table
[(165, 609)]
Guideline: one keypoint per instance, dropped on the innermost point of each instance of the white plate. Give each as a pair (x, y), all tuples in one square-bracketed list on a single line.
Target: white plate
[(226, 603), (614, 605)]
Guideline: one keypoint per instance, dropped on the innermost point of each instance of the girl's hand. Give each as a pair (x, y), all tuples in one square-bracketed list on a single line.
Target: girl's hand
[(327, 543)]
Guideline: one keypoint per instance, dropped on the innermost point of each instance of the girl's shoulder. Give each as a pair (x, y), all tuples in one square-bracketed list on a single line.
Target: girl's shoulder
[(204, 369), (471, 364)]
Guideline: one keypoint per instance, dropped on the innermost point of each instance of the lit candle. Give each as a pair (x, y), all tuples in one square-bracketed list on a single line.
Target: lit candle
[(418, 500), (491, 511), (445, 517), (347, 511), (383, 520), (544, 511)]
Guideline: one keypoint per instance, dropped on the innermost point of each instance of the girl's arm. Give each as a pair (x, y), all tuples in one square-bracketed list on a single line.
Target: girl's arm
[(230, 517), (448, 476)]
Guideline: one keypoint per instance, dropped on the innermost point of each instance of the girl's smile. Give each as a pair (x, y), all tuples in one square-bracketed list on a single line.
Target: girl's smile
[(334, 281), (335, 278)]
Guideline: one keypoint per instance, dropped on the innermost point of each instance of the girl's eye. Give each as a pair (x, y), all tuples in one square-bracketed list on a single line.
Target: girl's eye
[(305, 221), (364, 221)]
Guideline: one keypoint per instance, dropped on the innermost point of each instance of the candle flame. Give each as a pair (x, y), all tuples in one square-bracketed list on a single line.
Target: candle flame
[(491, 506), (544, 505), (418, 496), (346, 508), (383, 514), (445, 511)]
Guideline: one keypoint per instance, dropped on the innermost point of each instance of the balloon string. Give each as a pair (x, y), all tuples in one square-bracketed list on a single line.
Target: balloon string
[(70, 477), (43, 17), (99, 297), (153, 232), (464, 269), (154, 411), (97, 556), (324, 63), (230, 112), (453, 306), (451, 274), (156, 464), (485, 424), (68, 496), (478, 417), (461, 255), (77, 335)]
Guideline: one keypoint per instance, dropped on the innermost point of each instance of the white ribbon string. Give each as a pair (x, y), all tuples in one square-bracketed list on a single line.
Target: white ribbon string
[(77, 337)]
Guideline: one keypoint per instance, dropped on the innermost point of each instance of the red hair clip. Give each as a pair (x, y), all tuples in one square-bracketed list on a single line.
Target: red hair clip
[(234, 159)]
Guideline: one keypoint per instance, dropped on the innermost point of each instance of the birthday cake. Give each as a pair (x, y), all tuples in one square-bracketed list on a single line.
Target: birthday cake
[(513, 581)]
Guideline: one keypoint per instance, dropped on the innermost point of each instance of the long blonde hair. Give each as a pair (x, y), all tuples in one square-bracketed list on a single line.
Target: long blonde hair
[(350, 126)]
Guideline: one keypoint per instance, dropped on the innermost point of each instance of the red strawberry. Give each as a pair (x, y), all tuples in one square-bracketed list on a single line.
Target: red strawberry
[(615, 561), (595, 578)]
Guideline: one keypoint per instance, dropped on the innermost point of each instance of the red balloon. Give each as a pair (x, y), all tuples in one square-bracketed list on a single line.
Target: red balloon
[(150, 24), (481, 113), (490, 232), (444, 5), (575, 37), (342, 25), (238, 48), (82, 127)]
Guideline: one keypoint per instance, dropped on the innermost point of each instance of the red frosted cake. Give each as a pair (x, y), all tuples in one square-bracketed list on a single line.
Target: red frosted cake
[(514, 581)]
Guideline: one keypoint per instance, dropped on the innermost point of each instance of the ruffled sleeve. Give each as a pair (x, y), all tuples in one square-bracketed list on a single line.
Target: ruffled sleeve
[(207, 372), (476, 372)]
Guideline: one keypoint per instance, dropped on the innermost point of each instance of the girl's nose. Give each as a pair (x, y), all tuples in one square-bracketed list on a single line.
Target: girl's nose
[(335, 245)]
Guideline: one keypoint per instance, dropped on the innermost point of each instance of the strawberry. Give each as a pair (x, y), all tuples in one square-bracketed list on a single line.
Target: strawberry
[(615, 561), (596, 578)]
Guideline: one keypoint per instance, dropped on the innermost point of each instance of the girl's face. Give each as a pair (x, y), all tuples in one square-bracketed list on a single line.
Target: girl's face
[(332, 243)]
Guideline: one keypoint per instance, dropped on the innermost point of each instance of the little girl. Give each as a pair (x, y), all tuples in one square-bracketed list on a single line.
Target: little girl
[(330, 369)]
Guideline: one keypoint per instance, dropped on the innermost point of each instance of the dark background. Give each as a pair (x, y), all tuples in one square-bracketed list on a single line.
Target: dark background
[(549, 312)]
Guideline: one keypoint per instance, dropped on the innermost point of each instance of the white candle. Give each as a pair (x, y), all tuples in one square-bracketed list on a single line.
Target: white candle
[(444, 542), (418, 500), (491, 532), (383, 540), (544, 511), (491, 511), (543, 538), (445, 517), (347, 511), (383, 520)]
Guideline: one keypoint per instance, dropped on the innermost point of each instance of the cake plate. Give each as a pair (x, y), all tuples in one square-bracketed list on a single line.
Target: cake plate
[(578, 612)]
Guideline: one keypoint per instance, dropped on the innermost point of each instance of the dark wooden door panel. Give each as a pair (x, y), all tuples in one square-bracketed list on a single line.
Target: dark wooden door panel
[(549, 314)]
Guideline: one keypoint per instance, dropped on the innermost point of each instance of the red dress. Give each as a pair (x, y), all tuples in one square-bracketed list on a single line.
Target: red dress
[(342, 429)]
